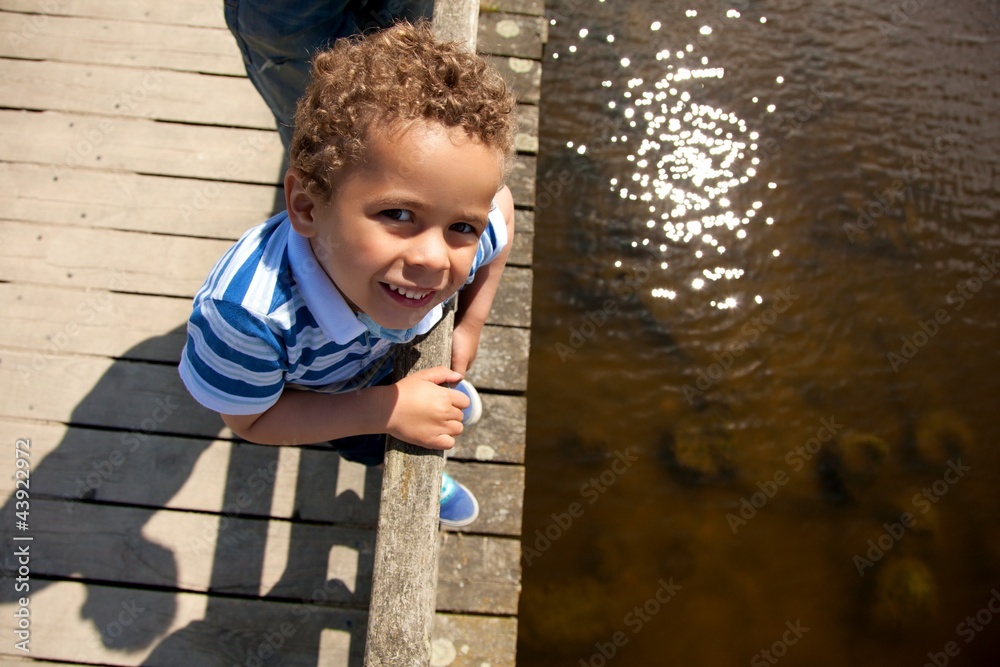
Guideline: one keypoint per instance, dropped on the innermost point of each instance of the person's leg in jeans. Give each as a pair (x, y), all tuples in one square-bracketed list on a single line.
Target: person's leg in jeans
[(368, 450), (278, 37)]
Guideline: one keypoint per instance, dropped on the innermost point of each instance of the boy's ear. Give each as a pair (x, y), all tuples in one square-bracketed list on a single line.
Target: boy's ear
[(300, 204)]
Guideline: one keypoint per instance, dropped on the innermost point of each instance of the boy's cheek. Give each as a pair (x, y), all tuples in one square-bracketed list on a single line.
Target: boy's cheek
[(464, 270)]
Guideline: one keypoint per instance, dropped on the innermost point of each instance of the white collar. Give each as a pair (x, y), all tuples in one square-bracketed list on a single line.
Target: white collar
[(337, 319)]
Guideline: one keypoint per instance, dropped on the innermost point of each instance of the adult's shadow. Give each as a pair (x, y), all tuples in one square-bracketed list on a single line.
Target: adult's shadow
[(131, 448)]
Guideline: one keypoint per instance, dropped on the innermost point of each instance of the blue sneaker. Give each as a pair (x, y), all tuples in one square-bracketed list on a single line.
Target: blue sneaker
[(458, 506), (471, 414)]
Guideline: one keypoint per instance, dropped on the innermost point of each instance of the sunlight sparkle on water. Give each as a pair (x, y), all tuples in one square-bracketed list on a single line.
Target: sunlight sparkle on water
[(730, 302), (685, 163)]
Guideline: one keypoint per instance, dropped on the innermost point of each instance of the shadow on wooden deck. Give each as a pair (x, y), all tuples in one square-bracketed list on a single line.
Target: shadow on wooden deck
[(99, 489)]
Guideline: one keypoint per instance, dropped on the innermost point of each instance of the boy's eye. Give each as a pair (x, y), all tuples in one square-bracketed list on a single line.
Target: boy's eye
[(465, 228), (398, 214)]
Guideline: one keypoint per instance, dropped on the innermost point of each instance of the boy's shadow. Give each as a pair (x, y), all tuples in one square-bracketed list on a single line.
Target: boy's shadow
[(93, 496)]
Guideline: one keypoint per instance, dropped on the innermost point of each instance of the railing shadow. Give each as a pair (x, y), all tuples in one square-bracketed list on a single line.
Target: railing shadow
[(98, 520)]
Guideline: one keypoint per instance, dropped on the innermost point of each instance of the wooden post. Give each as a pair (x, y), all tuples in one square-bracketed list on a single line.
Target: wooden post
[(404, 578), (457, 21)]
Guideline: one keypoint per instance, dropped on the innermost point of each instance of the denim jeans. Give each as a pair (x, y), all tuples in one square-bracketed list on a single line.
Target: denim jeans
[(278, 38), (367, 450)]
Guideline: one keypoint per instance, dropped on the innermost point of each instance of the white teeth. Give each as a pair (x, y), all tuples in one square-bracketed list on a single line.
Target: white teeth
[(409, 294)]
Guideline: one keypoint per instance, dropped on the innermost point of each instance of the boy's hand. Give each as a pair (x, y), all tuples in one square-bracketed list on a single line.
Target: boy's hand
[(426, 413)]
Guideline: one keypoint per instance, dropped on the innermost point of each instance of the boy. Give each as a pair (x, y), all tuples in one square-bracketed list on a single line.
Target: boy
[(395, 201)]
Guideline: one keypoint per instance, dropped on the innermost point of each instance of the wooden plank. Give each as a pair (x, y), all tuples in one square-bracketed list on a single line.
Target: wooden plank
[(512, 303), (52, 321), (525, 220), (140, 93), (106, 259), (500, 434), (522, 181), (479, 575), (526, 139), (140, 145), (455, 21), (474, 641), (110, 41), (532, 7), (502, 363), (522, 251), (204, 13), (171, 549), (522, 74), (94, 391), (183, 628), (521, 36), (73, 463), (177, 206), (144, 469), (182, 550), (81, 624), (521, 254)]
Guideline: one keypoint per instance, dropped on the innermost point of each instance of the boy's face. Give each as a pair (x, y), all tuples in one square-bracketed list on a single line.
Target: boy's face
[(401, 231)]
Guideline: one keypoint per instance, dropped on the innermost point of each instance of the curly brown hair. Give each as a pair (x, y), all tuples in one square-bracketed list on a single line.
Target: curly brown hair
[(388, 79)]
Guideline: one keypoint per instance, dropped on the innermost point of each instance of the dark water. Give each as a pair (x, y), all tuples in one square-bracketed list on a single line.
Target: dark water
[(790, 445)]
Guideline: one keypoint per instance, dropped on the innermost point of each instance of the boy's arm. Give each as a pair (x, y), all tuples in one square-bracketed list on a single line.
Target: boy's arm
[(417, 409), (475, 300)]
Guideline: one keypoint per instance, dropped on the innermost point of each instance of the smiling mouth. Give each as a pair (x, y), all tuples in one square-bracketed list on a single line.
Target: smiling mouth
[(409, 296), (410, 293)]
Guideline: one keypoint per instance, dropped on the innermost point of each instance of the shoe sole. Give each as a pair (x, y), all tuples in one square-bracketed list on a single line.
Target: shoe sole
[(448, 523), (475, 405)]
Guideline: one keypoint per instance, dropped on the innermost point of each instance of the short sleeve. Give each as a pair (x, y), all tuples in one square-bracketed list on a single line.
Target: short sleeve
[(233, 362), (491, 243)]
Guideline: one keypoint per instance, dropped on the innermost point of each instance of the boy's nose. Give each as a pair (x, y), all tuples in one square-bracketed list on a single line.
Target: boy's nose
[(429, 251)]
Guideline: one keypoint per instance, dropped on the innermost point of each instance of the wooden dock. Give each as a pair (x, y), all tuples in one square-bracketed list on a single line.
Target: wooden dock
[(133, 152)]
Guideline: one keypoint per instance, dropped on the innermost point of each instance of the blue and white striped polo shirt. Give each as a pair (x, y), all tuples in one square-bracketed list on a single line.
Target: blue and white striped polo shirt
[(269, 316)]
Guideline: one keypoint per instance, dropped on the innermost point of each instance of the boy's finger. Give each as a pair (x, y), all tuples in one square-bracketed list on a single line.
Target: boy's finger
[(443, 442), (462, 402), (441, 375)]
